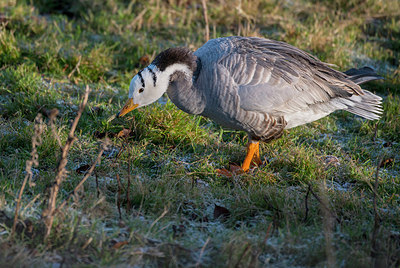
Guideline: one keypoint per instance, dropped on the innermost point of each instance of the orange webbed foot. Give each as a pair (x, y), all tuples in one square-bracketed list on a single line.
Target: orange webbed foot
[(233, 171)]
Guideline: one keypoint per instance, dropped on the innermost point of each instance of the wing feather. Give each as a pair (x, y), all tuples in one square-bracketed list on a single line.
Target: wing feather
[(277, 78)]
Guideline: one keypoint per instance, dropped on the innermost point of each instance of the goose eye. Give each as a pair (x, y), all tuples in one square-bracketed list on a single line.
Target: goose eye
[(141, 90)]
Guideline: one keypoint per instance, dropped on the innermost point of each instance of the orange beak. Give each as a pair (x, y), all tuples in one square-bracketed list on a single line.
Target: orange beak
[(129, 106)]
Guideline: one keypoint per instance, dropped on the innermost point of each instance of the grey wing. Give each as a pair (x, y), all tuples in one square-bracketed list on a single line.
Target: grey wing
[(276, 88), (276, 78)]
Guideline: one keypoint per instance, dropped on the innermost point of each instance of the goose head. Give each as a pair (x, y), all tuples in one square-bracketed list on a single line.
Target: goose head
[(149, 84)]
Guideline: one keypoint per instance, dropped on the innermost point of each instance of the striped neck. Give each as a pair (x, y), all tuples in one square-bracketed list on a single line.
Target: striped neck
[(172, 65)]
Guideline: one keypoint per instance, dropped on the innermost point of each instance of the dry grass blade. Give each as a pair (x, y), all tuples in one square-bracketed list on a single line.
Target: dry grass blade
[(328, 225), (202, 252), (48, 213), (36, 141), (306, 203), (104, 146), (128, 201), (87, 243), (31, 203), (76, 68), (119, 197), (377, 219), (324, 205), (125, 140), (207, 33), (267, 233), (79, 114), (97, 185), (159, 218), (52, 117), (246, 249)]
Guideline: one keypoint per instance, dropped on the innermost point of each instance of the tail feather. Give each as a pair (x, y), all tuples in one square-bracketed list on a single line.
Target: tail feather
[(367, 105), (362, 75)]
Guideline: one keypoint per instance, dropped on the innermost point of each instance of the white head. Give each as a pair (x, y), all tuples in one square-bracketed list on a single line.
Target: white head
[(150, 83)]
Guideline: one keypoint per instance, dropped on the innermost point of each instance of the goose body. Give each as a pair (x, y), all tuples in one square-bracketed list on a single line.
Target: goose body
[(256, 85)]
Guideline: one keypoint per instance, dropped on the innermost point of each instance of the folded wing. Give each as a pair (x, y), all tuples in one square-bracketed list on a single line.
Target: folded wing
[(276, 78)]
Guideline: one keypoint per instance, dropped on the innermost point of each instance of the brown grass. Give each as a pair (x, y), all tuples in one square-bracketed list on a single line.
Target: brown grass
[(48, 214)]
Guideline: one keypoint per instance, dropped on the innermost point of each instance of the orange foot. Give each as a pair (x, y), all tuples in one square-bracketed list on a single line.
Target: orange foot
[(233, 170), (252, 158)]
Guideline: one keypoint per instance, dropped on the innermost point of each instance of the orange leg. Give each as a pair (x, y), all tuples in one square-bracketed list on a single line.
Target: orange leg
[(253, 152), (253, 156), (256, 157)]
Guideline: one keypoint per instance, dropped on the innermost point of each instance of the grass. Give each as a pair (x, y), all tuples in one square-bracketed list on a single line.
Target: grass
[(168, 206)]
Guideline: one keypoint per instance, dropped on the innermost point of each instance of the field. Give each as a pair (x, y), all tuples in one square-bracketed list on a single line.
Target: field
[(143, 190)]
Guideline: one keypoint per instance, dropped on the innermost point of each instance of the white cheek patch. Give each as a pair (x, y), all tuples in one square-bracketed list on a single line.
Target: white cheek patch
[(178, 67), (132, 86), (155, 78), (154, 82), (163, 78)]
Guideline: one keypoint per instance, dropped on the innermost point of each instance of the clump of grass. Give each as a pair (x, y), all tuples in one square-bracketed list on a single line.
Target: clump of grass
[(9, 52), (36, 141), (48, 214)]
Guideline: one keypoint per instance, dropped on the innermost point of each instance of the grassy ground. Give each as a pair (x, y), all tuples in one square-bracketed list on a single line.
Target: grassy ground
[(155, 198)]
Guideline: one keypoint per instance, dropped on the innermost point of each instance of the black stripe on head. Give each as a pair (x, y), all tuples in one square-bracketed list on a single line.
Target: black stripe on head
[(175, 55), (154, 76), (141, 78)]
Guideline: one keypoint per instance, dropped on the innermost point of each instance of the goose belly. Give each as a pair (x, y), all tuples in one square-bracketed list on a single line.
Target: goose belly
[(303, 117)]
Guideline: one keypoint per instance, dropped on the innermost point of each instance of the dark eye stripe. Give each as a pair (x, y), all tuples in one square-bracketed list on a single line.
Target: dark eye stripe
[(154, 76), (141, 78)]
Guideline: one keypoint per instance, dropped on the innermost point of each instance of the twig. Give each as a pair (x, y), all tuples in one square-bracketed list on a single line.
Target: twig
[(120, 151), (306, 203), (36, 141), (207, 34), (31, 203), (267, 233), (241, 255), (328, 225), (97, 185), (128, 201), (48, 213), (87, 243), (79, 114), (139, 211), (125, 141), (377, 217), (76, 68), (119, 197), (202, 252), (159, 218), (124, 145), (105, 143)]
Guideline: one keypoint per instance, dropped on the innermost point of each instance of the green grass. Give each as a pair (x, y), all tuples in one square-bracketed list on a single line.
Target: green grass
[(50, 51)]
